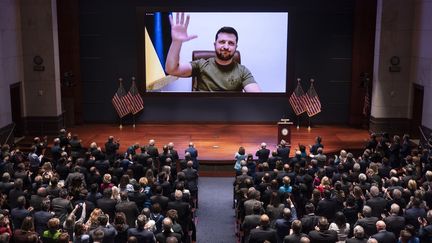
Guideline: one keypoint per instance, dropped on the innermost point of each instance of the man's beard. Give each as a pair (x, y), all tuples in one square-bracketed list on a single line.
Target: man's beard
[(224, 57)]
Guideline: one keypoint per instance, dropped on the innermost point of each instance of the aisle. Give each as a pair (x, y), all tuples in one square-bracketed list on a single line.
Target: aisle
[(215, 216)]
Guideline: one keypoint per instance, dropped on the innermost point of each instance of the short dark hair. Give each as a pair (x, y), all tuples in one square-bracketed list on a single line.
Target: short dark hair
[(227, 29)]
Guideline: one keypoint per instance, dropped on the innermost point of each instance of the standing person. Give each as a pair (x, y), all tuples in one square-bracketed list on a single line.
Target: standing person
[(313, 149), (283, 151), (193, 153), (239, 156), (111, 148), (26, 233), (220, 73), (263, 153)]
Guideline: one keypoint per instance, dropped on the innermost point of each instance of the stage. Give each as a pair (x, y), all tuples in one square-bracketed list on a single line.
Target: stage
[(219, 142)]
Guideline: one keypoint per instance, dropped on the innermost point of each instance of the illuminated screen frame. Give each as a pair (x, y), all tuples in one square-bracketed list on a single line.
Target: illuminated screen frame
[(261, 66)]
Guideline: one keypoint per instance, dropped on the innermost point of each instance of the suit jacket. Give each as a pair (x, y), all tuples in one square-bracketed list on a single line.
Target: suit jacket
[(309, 222), (326, 236), (61, 208), (282, 227), (294, 238), (261, 234), (384, 237), (283, 152), (18, 215), (356, 240), (378, 205), (109, 233), (162, 200), (368, 225), (130, 209), (250, 222), (40, 221), (75, 176), (191, 178), (107, 205), (412, 214), (395, 224), (183, 211), (327, 208), (142, 235), (263, 155)]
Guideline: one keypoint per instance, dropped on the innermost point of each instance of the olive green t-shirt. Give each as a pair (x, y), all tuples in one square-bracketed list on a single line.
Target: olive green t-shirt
[(215, 77)]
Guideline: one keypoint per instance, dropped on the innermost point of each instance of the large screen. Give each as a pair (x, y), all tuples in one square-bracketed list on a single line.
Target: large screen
[(262, 44)]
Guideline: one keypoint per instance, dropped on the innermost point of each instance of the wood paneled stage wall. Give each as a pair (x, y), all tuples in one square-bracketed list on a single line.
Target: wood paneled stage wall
[(217, 143)]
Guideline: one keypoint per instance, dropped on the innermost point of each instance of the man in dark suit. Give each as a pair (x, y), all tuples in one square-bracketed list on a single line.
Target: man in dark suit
[(61, 205), (158, 197), (327, 206), (322, 234), (251, 221), (152, 150), (383, 236), (296, 233), (111, 148), (263, 232), (193, 153), (309, 220), (283, 151), (283, 225), (139, 232), (129, 208), (368, 221), (376, 202), (263, 153), (106, 203), (314, 148), (394, 222), (42, 217), (109, 231), (183, 211), (19, 212), (192, 181), (359, 236), (412, 214), (167, 232), (75, 178), (36, 200)]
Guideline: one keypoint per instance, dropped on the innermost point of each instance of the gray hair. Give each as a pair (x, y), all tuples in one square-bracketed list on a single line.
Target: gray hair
[(359, 231)]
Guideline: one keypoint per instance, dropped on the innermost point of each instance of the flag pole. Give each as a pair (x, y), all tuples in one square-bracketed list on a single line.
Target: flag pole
[(121, 120), (133, 115), (309, 121)]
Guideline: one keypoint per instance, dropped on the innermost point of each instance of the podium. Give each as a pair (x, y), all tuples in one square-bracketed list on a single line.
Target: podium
[(284, 130)]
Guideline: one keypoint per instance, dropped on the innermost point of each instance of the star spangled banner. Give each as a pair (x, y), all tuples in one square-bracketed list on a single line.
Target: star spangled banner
[(119, 101), (134, 99), (296, 99), (311, 101)]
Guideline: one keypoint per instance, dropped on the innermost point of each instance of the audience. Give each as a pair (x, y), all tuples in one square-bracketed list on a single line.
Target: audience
[(384, 195)]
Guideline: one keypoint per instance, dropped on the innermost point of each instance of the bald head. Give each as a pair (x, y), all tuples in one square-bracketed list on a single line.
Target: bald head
[(264, 220), (380, 225)]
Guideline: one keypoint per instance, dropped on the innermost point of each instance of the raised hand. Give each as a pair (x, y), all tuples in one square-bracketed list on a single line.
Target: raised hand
[(179, 28)]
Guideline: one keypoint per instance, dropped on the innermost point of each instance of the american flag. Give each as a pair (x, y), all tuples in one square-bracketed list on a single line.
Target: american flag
[(119, 101), (134, 99), (296, 99), (312, 102)]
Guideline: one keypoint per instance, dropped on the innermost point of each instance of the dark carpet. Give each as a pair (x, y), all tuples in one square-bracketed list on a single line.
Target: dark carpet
[(215, 216)]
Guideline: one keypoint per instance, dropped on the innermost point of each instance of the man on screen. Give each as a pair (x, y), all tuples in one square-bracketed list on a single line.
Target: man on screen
[(220, 73)]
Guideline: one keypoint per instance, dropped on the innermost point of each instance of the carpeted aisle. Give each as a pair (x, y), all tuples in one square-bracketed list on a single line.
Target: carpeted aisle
[(215, 216)]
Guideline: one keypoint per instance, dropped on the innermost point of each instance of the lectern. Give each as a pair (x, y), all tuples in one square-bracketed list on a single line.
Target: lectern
[(284, 130)]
